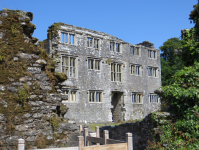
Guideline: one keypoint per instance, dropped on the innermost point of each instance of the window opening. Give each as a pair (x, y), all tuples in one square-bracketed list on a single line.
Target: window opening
[(153, 98), (137, 98), (116, 73), (95, 96), (69, 66)]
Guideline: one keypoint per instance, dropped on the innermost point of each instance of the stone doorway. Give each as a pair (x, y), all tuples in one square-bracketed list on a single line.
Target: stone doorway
[(117, 102)]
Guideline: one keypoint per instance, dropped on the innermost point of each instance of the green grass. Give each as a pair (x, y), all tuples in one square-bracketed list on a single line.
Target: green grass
[(113, 124), (101, 125)]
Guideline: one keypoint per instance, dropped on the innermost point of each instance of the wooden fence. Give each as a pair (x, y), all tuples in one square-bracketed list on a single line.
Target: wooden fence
[(104, 143), (101, 143)]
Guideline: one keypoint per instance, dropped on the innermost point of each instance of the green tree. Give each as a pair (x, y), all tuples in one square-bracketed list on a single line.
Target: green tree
[(190, 42), (183, 95), (170, 60)]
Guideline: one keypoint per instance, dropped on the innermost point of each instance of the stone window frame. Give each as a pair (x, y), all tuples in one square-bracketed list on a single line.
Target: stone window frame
[(135, 50), (137, 72), (95, 96), (68, 38), (154, 98), (137, 97), (152, 71), (115, 72), (115, 47), (92, 64), (72, 95), (66, 62), (94, 42), (152, 54)]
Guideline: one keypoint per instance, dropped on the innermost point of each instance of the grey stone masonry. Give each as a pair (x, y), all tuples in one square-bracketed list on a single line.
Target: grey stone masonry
[(108, 78)]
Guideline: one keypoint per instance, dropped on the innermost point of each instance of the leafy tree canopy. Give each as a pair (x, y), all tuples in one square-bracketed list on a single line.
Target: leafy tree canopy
[(170, 61)]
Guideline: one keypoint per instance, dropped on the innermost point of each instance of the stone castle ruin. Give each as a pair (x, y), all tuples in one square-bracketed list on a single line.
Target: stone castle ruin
[(76, 75), (108, 78)]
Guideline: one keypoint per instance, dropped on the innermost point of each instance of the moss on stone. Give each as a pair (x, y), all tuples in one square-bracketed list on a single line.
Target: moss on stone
[(61, 76)]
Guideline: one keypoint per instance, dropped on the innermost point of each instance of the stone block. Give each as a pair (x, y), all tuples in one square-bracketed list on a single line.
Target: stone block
[(28, 56), (27, 115), (23, 79), (45, 88), (2, 118), (2, 88), (13, 89), (41, 77), (33, 70), (28, 121), (21, 127), (69, 126), (31, 139), (17, 83), (1, 35), (41, 61), (16, 58), (37, 115)]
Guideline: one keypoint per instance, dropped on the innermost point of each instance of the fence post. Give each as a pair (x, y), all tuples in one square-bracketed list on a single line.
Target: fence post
[(106, 136), (21, 144), (129, 140), (81, 142), (80, 128), (86, 143), (97, 133)]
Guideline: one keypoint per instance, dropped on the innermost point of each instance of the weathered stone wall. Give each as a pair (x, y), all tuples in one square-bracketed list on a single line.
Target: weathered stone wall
[(38, 117), (100, 80), (35, 124), (140, 130), (143, 131)]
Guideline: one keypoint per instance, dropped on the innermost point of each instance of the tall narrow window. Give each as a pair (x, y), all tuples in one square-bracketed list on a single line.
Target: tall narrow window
[(149, 71), (116, 73), (135, 50), (117, 47), (69, 66), (152, 71), (97, 64), (112, 46), (131, 49)]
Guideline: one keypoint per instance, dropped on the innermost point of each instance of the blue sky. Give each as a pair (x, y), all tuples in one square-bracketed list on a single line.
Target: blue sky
[(133, 21)]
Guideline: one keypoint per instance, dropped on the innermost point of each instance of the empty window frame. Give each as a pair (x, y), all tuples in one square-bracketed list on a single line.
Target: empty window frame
[(71, 95), (136, 69), (93, 42), (116, 72), (95, 96), (136, 51), (153, 98), (152, 54), (153, 72), (67, 38), (137, 98), (115, 47), (69, 66), (94, 64), (131, 49)]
